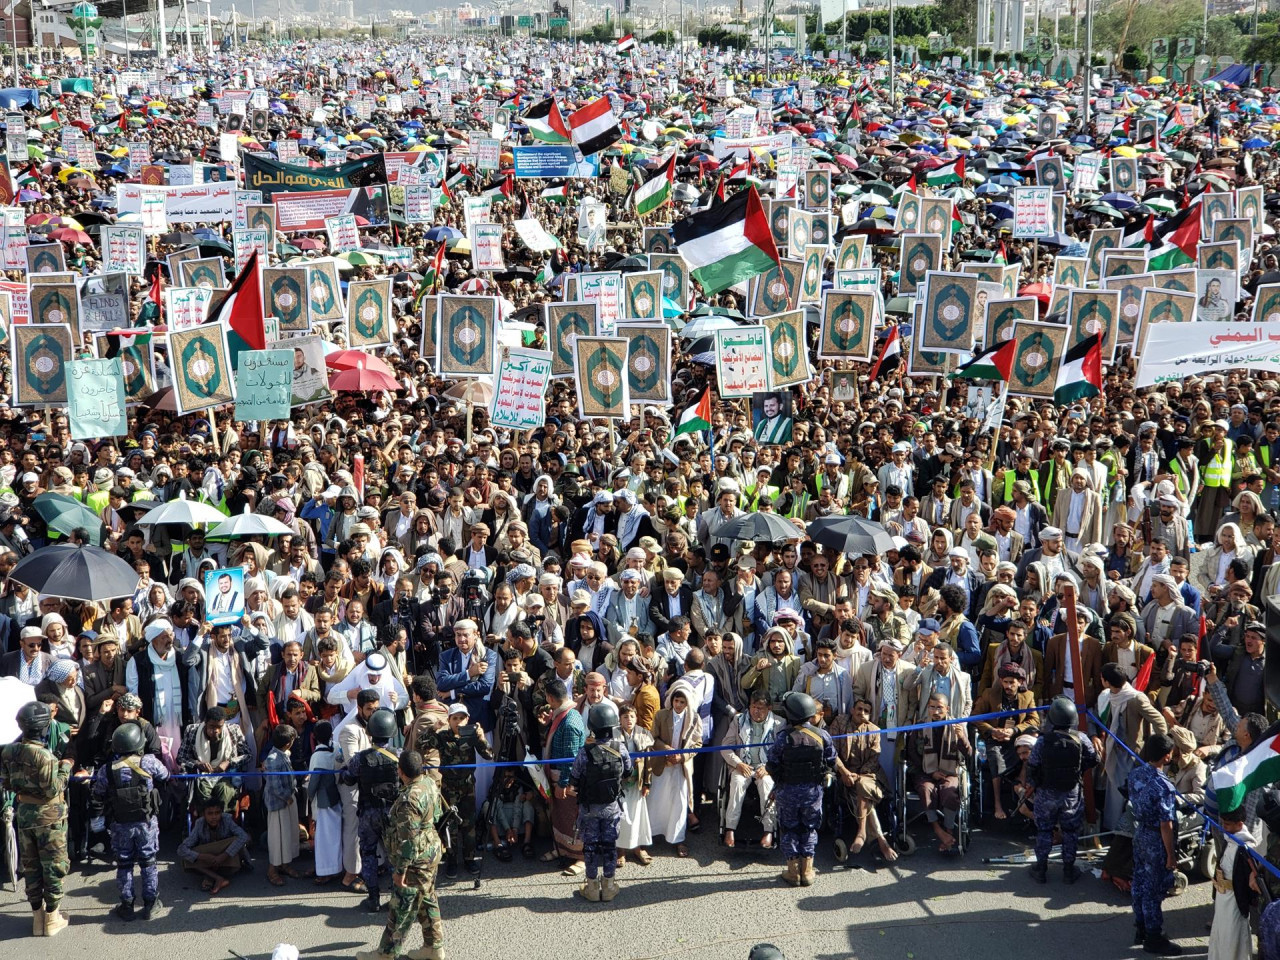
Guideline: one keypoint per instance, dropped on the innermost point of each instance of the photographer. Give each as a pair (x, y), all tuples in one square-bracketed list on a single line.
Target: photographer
[(1246, 666), (1185, 675)]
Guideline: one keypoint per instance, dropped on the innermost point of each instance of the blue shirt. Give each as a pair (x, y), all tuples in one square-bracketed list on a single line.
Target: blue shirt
[(1152, 797)]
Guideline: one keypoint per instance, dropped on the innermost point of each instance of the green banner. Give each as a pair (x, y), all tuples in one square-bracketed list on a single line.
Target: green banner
[(272, 176), (95, 399), (264, 379)]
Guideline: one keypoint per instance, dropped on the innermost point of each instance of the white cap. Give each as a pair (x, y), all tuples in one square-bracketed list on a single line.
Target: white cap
[(459, 708)]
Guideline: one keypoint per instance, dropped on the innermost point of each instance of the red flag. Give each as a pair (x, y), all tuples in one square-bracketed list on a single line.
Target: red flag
[(242, 308), (8, 192), (156, 293), (720, 188), (1143, 679), (890, 356), (123, 122)]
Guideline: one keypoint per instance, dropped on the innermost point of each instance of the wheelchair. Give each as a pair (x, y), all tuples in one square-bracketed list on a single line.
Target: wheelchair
[(905, 796), (750, 828)]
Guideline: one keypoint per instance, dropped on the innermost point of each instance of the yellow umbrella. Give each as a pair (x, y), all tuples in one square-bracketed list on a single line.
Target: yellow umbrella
[(124, 151), (1157, 80), (1017, 119), (1049, 84), (960, 143), (421, 148), (158, 104), (67, 173), (1126, 151), (842, 82), (380, 75), (1228, 144)]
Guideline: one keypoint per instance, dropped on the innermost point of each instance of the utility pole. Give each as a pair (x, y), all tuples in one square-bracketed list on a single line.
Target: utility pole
[(893, 70), (1088, 64), (124, 19)]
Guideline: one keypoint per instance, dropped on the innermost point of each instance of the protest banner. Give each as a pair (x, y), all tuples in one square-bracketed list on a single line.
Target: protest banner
[(124, 247), (1175, 351), (742, 361), (519, 395), (344, 234), (264, 384), (187, 307), (486, 247), (96, 399)]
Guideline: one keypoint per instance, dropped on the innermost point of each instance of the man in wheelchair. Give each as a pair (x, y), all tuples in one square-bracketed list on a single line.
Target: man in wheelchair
[(746, 764), (934, 759), (862, 783)]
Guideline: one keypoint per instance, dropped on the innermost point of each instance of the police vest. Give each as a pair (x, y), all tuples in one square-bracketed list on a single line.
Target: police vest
[(1060, 761), (379, 779), (799, 503), (601, 780), (802, 757), (132, 801), (1217, 472)]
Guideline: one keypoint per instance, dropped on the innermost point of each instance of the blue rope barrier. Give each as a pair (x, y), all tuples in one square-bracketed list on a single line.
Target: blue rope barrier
[(535, 761), (1203, 811)]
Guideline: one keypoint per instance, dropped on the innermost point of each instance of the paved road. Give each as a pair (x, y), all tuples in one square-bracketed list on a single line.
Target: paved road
[(706, 907)]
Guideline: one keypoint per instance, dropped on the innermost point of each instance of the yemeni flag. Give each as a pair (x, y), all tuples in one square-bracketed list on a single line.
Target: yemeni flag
[(625, 43), (555, 194), (655, 191), (1259, 766), (1179, 238), (241, 309), (696, 418), (890, 355), (727, 243), (948, 173), (545, 123), (1080, 375), (994, 363), (594, 127)]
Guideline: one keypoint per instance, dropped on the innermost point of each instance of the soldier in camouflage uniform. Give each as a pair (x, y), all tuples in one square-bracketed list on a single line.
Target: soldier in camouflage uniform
[(459, 745), (39, 780), (413, 846)]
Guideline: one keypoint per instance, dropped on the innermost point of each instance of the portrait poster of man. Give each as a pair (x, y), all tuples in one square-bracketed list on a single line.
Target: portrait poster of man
[(1039, 350), (565, 322), (771, 414), (919, 254), (310, 375), (844, 386), (848, 325), (224, 595), (950, 313), (1216, 294)]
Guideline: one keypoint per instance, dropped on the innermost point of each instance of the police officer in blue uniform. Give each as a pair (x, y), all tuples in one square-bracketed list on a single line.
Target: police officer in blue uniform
[(377, 771), (596, 779), (1058, 761), (801, 761), (1153, 801)]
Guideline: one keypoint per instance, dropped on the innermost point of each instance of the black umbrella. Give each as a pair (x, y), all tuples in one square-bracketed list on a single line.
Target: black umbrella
[(76, 573), (854, 535), (759, 528), (179, 239)]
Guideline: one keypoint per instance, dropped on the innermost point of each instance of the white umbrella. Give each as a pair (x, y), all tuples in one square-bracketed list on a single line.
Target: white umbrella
[(182, 510), (249, 524), (13, 694), (701, 326)]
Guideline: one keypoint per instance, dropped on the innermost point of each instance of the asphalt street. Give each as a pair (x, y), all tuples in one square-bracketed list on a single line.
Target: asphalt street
[(712, 906)]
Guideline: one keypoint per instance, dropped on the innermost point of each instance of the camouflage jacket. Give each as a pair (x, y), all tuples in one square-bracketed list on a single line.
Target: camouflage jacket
[(461, 747), (31, 770), (410, 836)]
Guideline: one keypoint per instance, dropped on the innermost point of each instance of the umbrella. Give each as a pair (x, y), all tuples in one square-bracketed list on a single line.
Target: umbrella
[(64, 514), (182, 510), (854, 535), (478, 393), (362, 379), (180, 238), (355, 359), (759, 528), (75, 572), (436, 234), (70, 235), (248, 524)]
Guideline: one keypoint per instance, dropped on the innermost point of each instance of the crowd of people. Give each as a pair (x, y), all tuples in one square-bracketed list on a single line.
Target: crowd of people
[(452, 595)]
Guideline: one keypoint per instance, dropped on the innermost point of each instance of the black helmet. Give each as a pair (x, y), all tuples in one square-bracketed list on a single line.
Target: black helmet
[(34, 720), (603, 719), (1063, 714), (382, 725), (765, 951), (127, 739), (799, 707)]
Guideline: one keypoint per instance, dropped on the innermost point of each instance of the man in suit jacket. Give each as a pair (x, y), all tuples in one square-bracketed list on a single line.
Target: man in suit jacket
[(869, 684), (1027, 513), (471, 554), (28, 663), (104, 678), (675, 600), (1055, 665), (594, 519), (967, 501), (942, 676), (959, 573), (1010, 544), (1122, 649), (740, 602), (1078, 512), (1050, 552), (402, 608), (627, 609), (467, 675)]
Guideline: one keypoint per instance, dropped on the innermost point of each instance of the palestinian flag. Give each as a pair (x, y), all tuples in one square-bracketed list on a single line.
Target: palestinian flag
[(501, 190), (1259, 766), (545, 123), (556, 194), (1179, 238), (948, 173), (655, 191), (241, 310), (28, 176), (994, 363), (728, 243), (594, 127), (625, 43), (890, 355), (696, 418), (50, 122), (1140, 234), (1080, 375)]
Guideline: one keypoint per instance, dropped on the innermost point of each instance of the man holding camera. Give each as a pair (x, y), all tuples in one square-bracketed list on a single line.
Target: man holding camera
[(459, 746)]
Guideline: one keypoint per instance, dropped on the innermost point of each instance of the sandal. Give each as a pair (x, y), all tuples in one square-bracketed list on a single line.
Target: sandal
[(549, 857), (682, 851), (275, 879), (527, 851), (206, 885), (325, 881), (644, 856), (575, 869), (728, 839)]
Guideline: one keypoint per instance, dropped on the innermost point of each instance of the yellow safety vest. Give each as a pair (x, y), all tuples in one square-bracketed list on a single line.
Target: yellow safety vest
[(1217, 472), (1175, 467), (1010, 477)]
